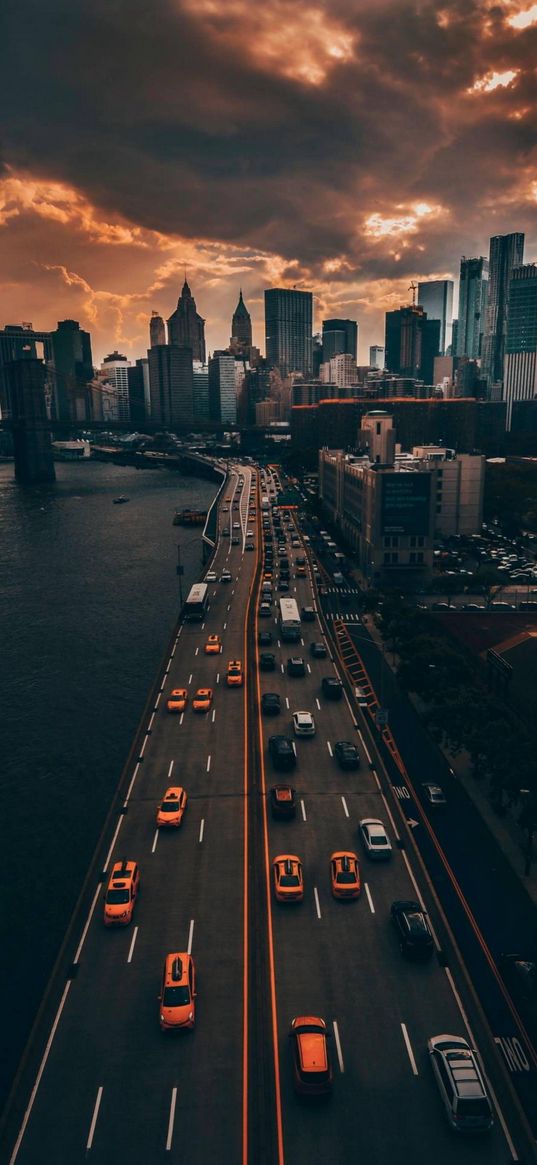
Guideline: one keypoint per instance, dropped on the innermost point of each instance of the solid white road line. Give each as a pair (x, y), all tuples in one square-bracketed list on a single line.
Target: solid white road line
[(203, 626), (157, 700), (190, 936), (143, 746), (329, 747), (309, 668), (409, 1049), (345, 810), (181, 718), (150, 725), (155, 839), (131, 948), (171, 1119), (91, 1133), (390, 815), (225, 625), (283, 669), (196, 651), (365, 748), (202, 827), (170, 769), (338, 1047), (190, 678), (214, 715), (218, 677), (318, 703), (134, 775), (287, 701), (303, 808), (369, 898), (114, 839), (33, 1094), (317, 906), (208, 762)]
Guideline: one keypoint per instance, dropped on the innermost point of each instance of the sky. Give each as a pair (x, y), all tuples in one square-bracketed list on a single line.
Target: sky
[(346, 147)]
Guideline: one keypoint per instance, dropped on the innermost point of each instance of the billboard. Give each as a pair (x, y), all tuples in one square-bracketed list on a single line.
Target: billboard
[(406, 503)]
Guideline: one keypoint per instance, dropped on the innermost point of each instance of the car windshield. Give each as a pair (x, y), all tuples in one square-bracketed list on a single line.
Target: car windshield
[(345, 878), (289, 880), (169, 807), (175, 996), (117, 897), (477, 1106)]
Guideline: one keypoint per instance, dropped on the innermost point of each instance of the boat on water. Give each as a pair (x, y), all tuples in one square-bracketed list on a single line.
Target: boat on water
[(120, 500), (188, 517)]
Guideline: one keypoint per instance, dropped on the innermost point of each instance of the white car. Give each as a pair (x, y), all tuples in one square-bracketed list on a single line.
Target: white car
[(361, 697), (303, 724), (376, 841), (225, 576), (211, 576)]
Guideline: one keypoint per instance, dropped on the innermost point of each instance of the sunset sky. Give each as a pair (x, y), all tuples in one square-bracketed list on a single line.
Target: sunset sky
[(345, 147)]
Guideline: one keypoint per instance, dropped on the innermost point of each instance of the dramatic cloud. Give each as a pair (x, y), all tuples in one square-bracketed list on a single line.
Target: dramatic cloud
[(340, 145)]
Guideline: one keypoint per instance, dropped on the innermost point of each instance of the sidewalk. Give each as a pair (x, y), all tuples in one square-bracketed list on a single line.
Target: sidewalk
[(506, 831)]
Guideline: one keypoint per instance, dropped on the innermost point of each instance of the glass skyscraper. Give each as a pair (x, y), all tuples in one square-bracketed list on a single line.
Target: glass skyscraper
[(506, 252), (436, 299), (473, 288), (520, 372), (288, 330)]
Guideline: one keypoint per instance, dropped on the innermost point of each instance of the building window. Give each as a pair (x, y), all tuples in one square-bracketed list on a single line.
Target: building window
[(419, 557), (439, 509), (395, 557), (387, 541), (395, 540), (412, 557), (413, 540), (387, 558), (421, 541)]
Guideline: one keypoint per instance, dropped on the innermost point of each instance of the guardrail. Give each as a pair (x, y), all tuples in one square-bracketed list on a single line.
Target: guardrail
[(209, 542)]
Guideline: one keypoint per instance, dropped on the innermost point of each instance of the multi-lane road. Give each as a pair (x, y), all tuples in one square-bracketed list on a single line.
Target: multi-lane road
[(105, 1083)]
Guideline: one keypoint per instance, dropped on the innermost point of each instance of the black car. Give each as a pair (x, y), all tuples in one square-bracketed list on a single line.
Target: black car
[(267, 661), (283, 802), (318, 650), (347, 755), (520, 975), (282, 752), (332, 688), (264, 638), (270, 704), (283, 585), (284, 574), (413, 931), (296, 666), (307, 614)]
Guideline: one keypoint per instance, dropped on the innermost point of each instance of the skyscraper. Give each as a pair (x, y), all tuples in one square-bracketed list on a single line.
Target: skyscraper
[(222, 388), (241, 329), (171, 382), (473, 288), (116, 369), (73, 371), (157, 331), (520, 379), (288, 330), (436, 298), (186, 328), (339, 336), (506, 252), (376, 356)]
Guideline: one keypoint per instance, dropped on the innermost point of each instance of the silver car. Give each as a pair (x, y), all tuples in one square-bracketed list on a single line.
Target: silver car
[(303, 724), (376, 841), (460, 1083)]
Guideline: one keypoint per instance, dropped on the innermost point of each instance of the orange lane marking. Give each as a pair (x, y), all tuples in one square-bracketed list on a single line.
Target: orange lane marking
[(246, 951)]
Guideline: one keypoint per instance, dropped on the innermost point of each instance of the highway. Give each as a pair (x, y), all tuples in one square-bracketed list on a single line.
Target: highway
[(109, 1085)]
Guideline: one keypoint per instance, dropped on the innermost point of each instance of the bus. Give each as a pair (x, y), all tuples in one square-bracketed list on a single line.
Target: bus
[(197, 602), (290, 628)]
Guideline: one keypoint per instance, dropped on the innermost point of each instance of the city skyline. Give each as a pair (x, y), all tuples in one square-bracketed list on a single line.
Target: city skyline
[(100, 217)]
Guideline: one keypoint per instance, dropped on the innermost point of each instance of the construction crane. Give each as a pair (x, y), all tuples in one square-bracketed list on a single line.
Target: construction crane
[(413, 288)]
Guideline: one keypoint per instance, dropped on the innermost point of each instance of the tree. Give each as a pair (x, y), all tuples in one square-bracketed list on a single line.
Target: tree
[(490, 582), (448, 585)]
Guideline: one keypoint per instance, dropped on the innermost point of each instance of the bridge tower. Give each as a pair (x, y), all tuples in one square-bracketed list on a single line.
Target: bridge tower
[(25, 385)]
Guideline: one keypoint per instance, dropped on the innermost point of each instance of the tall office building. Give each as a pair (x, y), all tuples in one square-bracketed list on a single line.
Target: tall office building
[(339, 336), (412, 342), (222, 388), (72, 371), (139, 393), (376, 356), (288, 330), (506, 252), (241, 329), (171, 382), (473, 288), (436, 298), (520, 373), (157, 331), (25, 395), (186, 328), (116, 369), (200, 380)]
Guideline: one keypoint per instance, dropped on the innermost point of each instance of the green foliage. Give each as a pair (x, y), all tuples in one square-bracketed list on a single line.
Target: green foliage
[(511, 495)]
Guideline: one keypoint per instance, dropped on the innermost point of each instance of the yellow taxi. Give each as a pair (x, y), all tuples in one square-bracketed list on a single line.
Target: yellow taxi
[(345, 874), (213, 645), (177, 700), (172, 807), (312, 1069), (267, 577), (121, 893), (202, 700), (234, 678), (288, 880), (178, 992)]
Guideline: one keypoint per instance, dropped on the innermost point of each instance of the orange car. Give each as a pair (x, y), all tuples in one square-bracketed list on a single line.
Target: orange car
[(312, 1069), (178, 993), (172, 807), (177, 700), (288, 880), (121, 893), (234, 677), (213, 645), (202, 700), (345, 874)]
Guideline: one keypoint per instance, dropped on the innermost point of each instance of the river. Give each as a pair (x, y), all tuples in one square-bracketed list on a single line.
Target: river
[(88, 598)]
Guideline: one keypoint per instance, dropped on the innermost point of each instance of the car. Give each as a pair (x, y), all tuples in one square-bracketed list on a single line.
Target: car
[(413, 930), (225, 577), (360, 697), (121, 893), (177, 700), (235, 541), (213, 645), (202, 700), (236, 525), (288, 878), (439, 606), (283, 801), (265, 609), (345, 874), (211, 576), (249, 546), (460, 1083), (307, 614), (172, 808), (283, 585), (346, 754), (270, 704), (225, 509), (520, 974), (296, 666), (267, 576), (318, 650), (267, 661), (434, 794), (312, 1069), (282, 752), (178, 992), (264, 638), (303, 724), (376, 841), (225, 531), (331, 688), (235, 676)]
